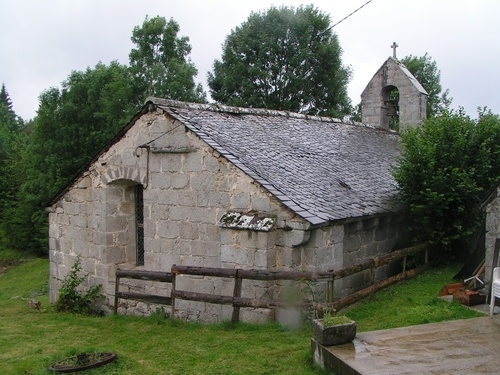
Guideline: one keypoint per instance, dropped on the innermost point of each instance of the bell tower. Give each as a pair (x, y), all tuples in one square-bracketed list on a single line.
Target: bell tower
[(393, 98)]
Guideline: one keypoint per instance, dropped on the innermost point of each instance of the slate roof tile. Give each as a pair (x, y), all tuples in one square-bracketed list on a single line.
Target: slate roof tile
[(320, 168)]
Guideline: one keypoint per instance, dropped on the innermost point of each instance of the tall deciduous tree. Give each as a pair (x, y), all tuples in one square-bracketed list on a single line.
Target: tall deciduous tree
[(425, 70), (283, 58), (446, 166), (160, 62), (72, 124)]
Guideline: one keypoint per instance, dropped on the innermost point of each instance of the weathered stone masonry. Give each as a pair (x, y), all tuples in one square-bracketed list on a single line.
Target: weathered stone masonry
[(188, 186)]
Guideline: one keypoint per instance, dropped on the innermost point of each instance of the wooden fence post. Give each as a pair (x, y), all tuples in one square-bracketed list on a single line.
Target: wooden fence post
[(117, 285), (330, 291), (174, 275), (238, 281)]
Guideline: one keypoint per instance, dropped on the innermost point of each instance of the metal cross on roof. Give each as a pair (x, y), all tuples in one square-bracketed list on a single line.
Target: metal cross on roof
[(394, 46)]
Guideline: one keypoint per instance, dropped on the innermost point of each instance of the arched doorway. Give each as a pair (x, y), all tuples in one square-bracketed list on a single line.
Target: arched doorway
[(125, 222)]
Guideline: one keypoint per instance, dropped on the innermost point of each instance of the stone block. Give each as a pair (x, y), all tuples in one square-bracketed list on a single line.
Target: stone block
[(297, 256), (117, 223), (200, 285), (207, 199), (260, 203), (101, 238), (160, 211), (79, 221), (198, 261), (171, 163), (202, 215), (203, 182), (261, 258), (85, 182), (113, 255), (224, 200), (187, 198), (181, 247), (228, 236), (208, 232), (82, 248), (367, 237), (180, 213), (233, 255), (298, 237), (193, 163), (159, 181), (71, 233), (168, 229), (210, 163), (167, 260), (336, 234), (287, 256), (71, 208), (179, 181), (155, 163), (205, 248), (352, 243), (240, 201), (354, 227), (152, 261), (188, 230)]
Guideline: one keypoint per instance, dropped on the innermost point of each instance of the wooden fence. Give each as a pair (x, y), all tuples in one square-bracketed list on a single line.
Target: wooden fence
[(267, 274)]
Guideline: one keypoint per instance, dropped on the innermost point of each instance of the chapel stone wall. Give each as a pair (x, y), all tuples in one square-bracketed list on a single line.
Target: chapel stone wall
[(492, 243)]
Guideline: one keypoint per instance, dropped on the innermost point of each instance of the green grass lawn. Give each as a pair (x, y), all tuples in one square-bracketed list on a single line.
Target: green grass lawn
[(32, 339)]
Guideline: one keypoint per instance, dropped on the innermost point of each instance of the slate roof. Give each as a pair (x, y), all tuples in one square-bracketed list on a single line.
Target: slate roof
[(320, 168)]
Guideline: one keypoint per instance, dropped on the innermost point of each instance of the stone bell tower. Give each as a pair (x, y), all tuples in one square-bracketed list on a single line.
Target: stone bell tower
[(393, 98)]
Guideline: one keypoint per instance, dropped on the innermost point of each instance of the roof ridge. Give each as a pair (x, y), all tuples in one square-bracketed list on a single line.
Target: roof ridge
[(215, 107)]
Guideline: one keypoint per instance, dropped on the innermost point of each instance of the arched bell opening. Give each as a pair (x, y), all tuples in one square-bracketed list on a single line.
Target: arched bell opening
[(390, 108)]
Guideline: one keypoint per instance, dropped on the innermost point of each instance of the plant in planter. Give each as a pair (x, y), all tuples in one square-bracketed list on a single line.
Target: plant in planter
[(334, 329)]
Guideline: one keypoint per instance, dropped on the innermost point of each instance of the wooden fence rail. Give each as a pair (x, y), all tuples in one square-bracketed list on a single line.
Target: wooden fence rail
[(256, 274), (141, 275)]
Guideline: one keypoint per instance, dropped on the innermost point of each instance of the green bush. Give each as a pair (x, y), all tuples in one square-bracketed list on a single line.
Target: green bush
[(446, 167), (75, 300)]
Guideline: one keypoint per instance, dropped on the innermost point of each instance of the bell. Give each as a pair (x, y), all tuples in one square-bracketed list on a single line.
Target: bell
[(392, 107)]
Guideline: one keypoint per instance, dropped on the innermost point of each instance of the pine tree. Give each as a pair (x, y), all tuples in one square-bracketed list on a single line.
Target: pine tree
[(5, 98)]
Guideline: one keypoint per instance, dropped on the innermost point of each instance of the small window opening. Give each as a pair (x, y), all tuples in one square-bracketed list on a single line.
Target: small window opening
[(139, 221)]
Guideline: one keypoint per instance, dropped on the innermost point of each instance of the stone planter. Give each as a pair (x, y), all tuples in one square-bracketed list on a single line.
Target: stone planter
[(335, 334)]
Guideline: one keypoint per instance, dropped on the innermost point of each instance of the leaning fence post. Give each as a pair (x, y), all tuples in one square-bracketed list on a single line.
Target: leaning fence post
[(236, 294)]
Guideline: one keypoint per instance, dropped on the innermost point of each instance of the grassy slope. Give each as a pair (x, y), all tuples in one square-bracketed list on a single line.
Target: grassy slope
[(30, 339), (410, 302)]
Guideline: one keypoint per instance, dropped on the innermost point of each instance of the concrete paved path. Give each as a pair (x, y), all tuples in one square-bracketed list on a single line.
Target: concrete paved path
[(469, 346)]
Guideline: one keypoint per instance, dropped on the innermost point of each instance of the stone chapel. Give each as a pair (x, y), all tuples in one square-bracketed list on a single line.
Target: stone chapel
[(217, 186)]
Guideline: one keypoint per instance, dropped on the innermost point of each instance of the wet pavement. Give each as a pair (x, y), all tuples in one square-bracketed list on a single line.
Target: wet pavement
[(469, 346)]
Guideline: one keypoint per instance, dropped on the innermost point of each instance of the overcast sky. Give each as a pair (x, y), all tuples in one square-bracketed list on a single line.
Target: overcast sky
[(41, 42)]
